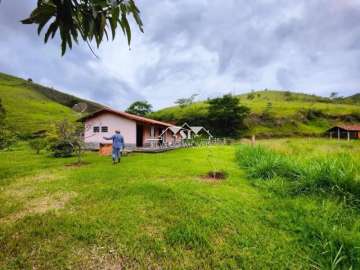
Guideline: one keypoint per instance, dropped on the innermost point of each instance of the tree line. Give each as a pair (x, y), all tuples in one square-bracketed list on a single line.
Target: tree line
[(225, 117)]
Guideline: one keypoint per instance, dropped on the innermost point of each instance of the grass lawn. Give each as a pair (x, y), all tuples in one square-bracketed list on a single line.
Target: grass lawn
[(155, 211)]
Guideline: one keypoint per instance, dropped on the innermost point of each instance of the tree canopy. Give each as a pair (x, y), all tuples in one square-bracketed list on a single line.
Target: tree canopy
[(87, 19), (141, 108), (226, 116)]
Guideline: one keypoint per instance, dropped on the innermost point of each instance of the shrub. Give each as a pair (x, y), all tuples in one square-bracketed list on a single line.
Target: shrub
[(37, 144), (7, 138), (67, 140), (62, 149)]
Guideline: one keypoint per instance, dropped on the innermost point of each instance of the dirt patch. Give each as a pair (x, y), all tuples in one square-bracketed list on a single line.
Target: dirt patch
[(41, 205), (24, 186), (215, 176), (99, 258)]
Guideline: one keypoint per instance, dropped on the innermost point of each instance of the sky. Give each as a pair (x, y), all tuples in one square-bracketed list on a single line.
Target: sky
[(204, 47)]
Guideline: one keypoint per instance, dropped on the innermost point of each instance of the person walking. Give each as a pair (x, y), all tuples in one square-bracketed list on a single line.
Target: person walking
[(117, 146)]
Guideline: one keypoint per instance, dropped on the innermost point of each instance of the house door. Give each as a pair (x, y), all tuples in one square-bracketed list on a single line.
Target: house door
[(139, 135)]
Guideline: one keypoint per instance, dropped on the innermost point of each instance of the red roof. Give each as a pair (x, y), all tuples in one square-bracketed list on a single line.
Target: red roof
[(128, 116), (349, 127)]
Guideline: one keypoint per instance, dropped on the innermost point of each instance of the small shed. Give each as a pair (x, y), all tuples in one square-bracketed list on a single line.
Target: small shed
[(344, 132)]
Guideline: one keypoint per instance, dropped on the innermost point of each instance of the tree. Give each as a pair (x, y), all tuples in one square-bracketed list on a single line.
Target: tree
[(183, 102), (141, 108), (288, 95), (67, 140), (87, 19), (227, 116), (334, 95)]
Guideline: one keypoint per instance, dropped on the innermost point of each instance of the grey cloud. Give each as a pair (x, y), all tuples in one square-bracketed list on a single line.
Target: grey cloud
[(208, 45)]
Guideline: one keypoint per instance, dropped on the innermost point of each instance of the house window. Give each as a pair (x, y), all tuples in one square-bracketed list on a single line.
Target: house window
[(104, 129), (96, 129)]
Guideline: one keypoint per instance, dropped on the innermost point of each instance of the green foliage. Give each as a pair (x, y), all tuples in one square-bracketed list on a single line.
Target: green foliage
[(334, 95), (38, 144), (7, 138), (87, 19), (312, 114), (66, 140), (251, 95), (227, 116), (141, 108)]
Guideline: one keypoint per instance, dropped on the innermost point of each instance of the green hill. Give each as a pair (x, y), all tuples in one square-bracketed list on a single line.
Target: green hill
[(277, 113), (31, 107)]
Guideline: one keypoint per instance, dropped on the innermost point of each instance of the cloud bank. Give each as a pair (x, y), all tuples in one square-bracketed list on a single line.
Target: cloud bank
[(209, 47)]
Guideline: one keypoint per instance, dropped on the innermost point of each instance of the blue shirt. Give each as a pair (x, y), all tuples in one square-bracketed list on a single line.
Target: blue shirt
[(118, 141)]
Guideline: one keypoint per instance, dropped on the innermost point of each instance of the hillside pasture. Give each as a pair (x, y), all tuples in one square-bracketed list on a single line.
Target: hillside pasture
[(28, 111), (158, 211), (276, 113)]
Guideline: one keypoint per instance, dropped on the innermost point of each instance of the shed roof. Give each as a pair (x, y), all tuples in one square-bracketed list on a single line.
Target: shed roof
[(348, 127), (126, 115)]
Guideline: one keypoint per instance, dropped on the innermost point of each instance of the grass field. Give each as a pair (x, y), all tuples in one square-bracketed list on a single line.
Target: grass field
[(158, 212)]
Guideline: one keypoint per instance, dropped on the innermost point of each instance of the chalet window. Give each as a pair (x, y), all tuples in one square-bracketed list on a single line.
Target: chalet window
[(104, 129), (96, 129)]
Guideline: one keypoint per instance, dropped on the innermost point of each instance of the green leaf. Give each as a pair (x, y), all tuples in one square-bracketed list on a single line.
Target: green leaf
[(51, 31), (127, 28)]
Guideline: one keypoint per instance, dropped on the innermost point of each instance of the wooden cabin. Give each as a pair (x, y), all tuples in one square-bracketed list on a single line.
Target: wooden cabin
[(344, 132)]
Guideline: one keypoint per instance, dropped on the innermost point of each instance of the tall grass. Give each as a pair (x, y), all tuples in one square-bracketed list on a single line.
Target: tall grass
[(335, 173), (332, 176)]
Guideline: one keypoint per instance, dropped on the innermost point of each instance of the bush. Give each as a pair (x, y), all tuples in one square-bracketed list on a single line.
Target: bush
[(7, 138), (37, 144), (67, 140), (62, 149)]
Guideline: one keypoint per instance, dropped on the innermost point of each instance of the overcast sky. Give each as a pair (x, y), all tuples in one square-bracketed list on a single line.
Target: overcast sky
[(209, 47)]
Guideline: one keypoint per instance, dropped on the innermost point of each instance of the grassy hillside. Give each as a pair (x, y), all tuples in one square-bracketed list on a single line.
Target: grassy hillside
[(31, 107), (278, 113), (150, 213)]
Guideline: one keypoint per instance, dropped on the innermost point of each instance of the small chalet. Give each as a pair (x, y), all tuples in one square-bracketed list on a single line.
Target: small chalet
[(344, 132)]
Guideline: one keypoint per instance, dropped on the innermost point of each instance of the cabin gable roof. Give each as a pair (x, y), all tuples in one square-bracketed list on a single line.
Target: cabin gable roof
[(126, 115)]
